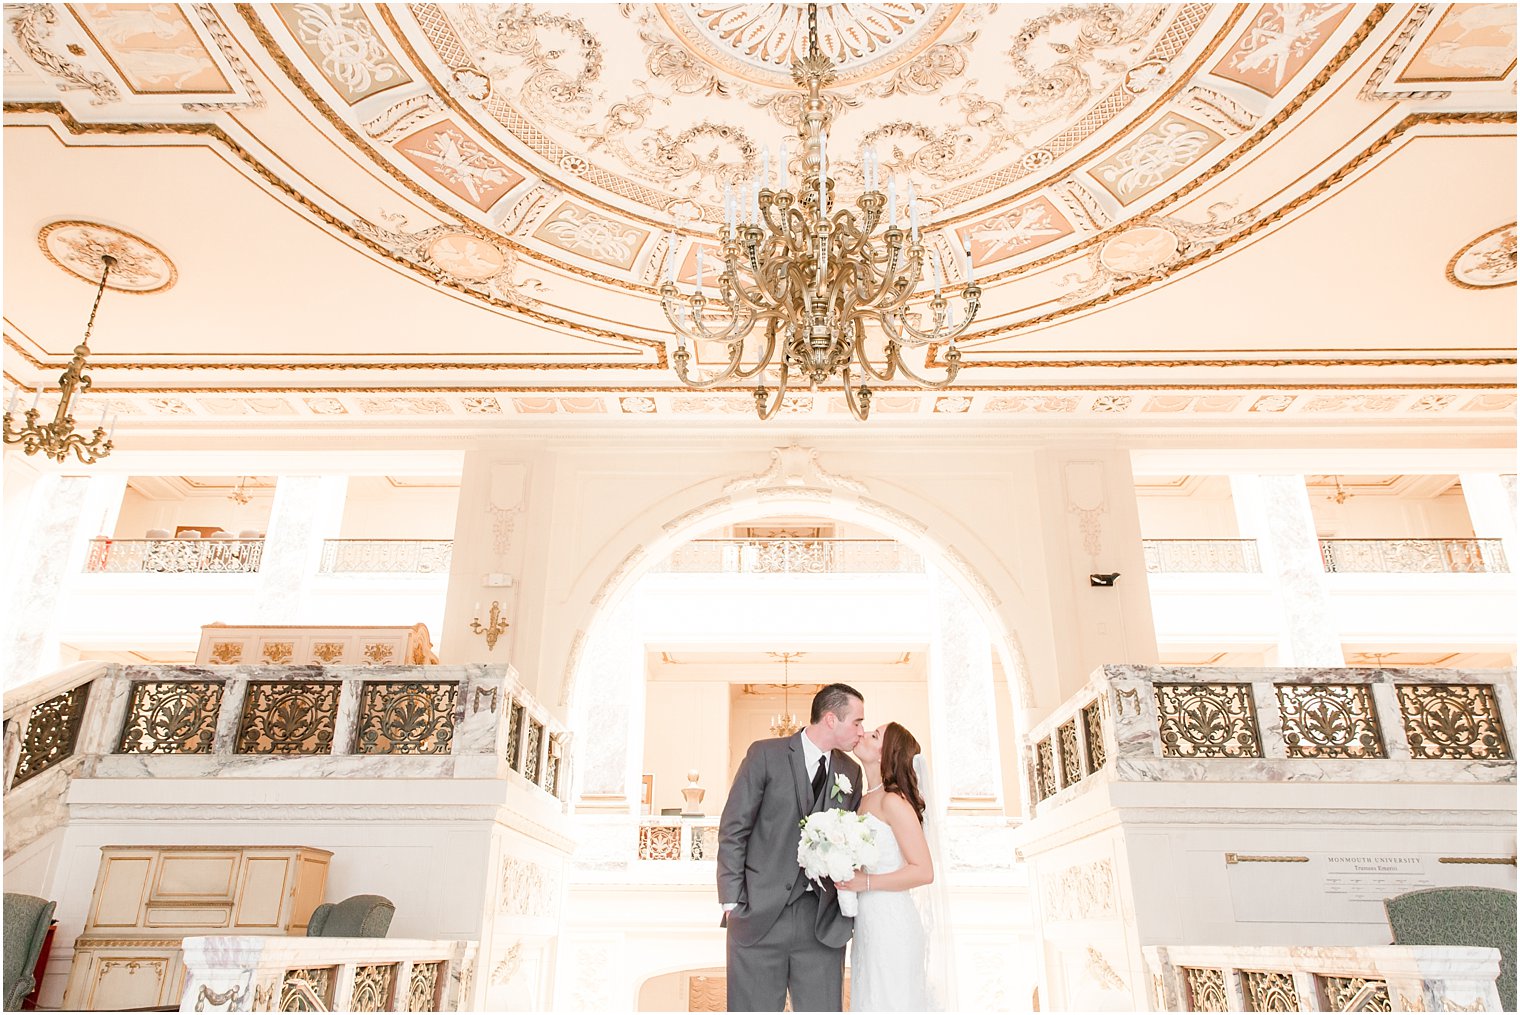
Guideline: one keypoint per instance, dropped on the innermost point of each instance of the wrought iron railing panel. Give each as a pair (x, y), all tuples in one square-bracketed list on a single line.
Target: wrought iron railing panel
[(1044, 770), (659, 842), (794, 556), (1269, 991), (1071, 762), (406, 717), (422, 991), (289, 717), (1457, 721), (1207, 721), (374, 986), (1353, 993), (531, 743), (1205, 989), (171, 717), (1416, 556), (175, 556), (386, 556), (52, 731), (1092, 733), (704, 842), (318, 978), (515, 735), (1329, 721), (1216, 556)]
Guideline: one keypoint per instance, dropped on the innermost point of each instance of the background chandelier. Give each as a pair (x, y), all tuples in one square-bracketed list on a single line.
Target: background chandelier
[(785, 723), (58, 438), (812, 275)]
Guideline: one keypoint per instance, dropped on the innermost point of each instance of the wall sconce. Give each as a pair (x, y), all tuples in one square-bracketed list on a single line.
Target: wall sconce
[(493, 629)]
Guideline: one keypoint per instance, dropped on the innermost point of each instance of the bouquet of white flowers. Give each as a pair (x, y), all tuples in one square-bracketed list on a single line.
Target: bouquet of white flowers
[(834, 845)]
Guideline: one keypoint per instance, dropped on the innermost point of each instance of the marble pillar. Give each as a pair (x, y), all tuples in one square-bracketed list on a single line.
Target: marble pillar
[(1274, 511), (47, 541), (489, 553), (306, 510), (607, 713), (1491, 509), (962, 706)]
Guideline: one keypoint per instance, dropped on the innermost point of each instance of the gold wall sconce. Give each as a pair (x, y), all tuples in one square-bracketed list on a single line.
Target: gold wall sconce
[(494, 628)]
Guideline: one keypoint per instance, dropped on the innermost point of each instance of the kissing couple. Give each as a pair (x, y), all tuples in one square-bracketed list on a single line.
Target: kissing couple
[(786, 932)]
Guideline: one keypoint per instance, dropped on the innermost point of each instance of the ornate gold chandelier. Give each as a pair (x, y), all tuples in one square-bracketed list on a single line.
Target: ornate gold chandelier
[(784, 723), (58, 438), (812, 275)]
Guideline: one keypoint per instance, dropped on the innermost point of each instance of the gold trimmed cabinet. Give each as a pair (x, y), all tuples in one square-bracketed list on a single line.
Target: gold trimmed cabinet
[(313, 645), (147, 899)]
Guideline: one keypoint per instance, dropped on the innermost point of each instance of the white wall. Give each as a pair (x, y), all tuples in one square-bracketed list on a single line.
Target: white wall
[(140, 513), (686, 727), (1376, 517), (377, 509)]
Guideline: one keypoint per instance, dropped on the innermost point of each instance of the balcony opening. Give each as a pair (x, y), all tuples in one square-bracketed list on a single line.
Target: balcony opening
[(395, 525), (187, 524)]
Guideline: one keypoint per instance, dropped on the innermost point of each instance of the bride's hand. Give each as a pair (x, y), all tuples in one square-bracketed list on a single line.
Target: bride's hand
[(855, 884)]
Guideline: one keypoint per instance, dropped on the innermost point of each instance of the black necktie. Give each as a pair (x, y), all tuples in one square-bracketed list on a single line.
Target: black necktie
[(820, 775)]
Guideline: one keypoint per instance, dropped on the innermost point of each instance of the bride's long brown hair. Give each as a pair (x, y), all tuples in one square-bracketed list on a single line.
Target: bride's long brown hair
[(897, 750)]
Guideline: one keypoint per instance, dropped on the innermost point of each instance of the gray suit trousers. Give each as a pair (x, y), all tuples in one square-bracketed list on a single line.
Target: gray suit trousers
[(788, 958)]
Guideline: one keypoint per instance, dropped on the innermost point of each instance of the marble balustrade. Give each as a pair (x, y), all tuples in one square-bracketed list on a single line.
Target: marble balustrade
[(267, 973), (1133, 723), (1362, 978), (675, 838)]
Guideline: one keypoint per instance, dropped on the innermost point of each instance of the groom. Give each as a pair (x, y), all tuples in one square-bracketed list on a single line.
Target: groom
[(784, 931)]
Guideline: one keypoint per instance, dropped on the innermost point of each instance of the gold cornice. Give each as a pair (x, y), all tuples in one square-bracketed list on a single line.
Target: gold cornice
[(216, 133)]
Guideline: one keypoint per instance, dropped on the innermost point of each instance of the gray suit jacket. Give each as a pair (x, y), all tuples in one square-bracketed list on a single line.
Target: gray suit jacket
[(759, 833)]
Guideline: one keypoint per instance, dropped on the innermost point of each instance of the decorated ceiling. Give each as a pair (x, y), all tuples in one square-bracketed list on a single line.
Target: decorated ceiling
[(344, 210)]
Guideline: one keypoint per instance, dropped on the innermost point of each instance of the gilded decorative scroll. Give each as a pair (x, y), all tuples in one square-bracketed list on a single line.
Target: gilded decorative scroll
[(52, 729), (1207, 721), (422, 992), (1205, 989), (1346, 993), (531, 744), (1071, 763), (1044, 770), (514, 735), (1329, 721), (171, 717), (318, 978), (373, 987), (1092, 733), (288, 717), (406, 717), (1453, 721), (1269, 991)]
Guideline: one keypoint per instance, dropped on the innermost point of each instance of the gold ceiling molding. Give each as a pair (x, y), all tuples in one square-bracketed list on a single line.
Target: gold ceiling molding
[(1497, 261), (215, 133)]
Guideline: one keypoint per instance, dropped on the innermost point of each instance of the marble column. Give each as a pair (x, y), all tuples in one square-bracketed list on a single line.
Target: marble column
[(45, 541), (489, 553), (962, 706), (306, 510), (1274, 511), (1491, 509), (607, 714)]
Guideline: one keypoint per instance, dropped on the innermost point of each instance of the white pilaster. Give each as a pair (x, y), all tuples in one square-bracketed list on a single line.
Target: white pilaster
[(962, 705), (45, 538), (1274, 511), (306, 510), (607, 714), (1491, 508)]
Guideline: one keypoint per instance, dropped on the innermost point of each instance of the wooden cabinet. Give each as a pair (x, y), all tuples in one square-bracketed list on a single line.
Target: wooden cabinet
[(147, 899)]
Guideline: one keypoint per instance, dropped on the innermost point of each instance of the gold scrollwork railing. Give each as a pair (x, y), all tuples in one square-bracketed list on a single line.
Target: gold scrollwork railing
[(1416, 556), (794, 556), (1216, 556), (678, 839), (386, 556), (174, 556)]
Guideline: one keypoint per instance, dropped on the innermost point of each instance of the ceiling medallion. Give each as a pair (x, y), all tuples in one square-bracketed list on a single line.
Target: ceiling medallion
[(813, 275), (1139, 251), (1488, 262), (79, 248)]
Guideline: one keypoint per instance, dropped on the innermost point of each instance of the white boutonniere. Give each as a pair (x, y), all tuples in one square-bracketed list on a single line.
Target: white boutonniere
[(842, 786)]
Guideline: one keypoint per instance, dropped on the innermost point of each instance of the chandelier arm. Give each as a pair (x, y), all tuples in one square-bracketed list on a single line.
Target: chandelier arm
[(952, 367), (866, 366), (859, 403), (760, 394), (682, 358), (767, 353)]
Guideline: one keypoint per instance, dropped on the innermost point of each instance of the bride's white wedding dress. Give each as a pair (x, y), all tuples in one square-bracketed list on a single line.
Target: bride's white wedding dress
[(889, 955)]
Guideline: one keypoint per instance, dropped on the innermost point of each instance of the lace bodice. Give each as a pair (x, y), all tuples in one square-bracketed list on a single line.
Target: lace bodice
[(889, 856)]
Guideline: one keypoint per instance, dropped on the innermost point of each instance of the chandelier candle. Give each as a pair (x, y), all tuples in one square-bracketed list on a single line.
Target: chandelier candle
[(829, 291)]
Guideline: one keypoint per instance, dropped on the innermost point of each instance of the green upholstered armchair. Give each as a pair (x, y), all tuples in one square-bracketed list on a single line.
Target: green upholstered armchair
[(355, 916), (26, 925), (1468, 917)]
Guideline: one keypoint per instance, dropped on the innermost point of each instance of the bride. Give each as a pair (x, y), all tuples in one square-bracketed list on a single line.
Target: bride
[(896, 959)]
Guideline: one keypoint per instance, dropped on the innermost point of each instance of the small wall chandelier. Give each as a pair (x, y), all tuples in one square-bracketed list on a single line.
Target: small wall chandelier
[(785, 723), (240, 495), (58, 438), (812, 275)]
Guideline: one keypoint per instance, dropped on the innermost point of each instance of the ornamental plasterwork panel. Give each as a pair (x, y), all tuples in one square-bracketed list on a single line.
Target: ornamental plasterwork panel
[(453, 159), (342, 43), (590, 234), (457, 256), (1488, 262), (153, 47), (1081, 892), (1014, 231), (526, 888), (1172, 145), (1471, 42), (77, 247), (1279, 42)]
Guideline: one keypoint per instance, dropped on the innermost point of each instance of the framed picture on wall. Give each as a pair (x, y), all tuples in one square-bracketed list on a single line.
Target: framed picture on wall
[(646, 798)]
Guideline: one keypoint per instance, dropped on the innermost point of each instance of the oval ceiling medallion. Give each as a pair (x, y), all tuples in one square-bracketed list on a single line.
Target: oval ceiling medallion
[(1139, 251), (760, 41), (467, 256), (77, 247), (1487, 262)]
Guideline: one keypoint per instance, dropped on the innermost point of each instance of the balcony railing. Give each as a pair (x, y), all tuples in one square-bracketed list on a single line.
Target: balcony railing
[(175, 556), (1218, 556), (386, 556), (1416, 556), (794, 556), (678, 839)]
